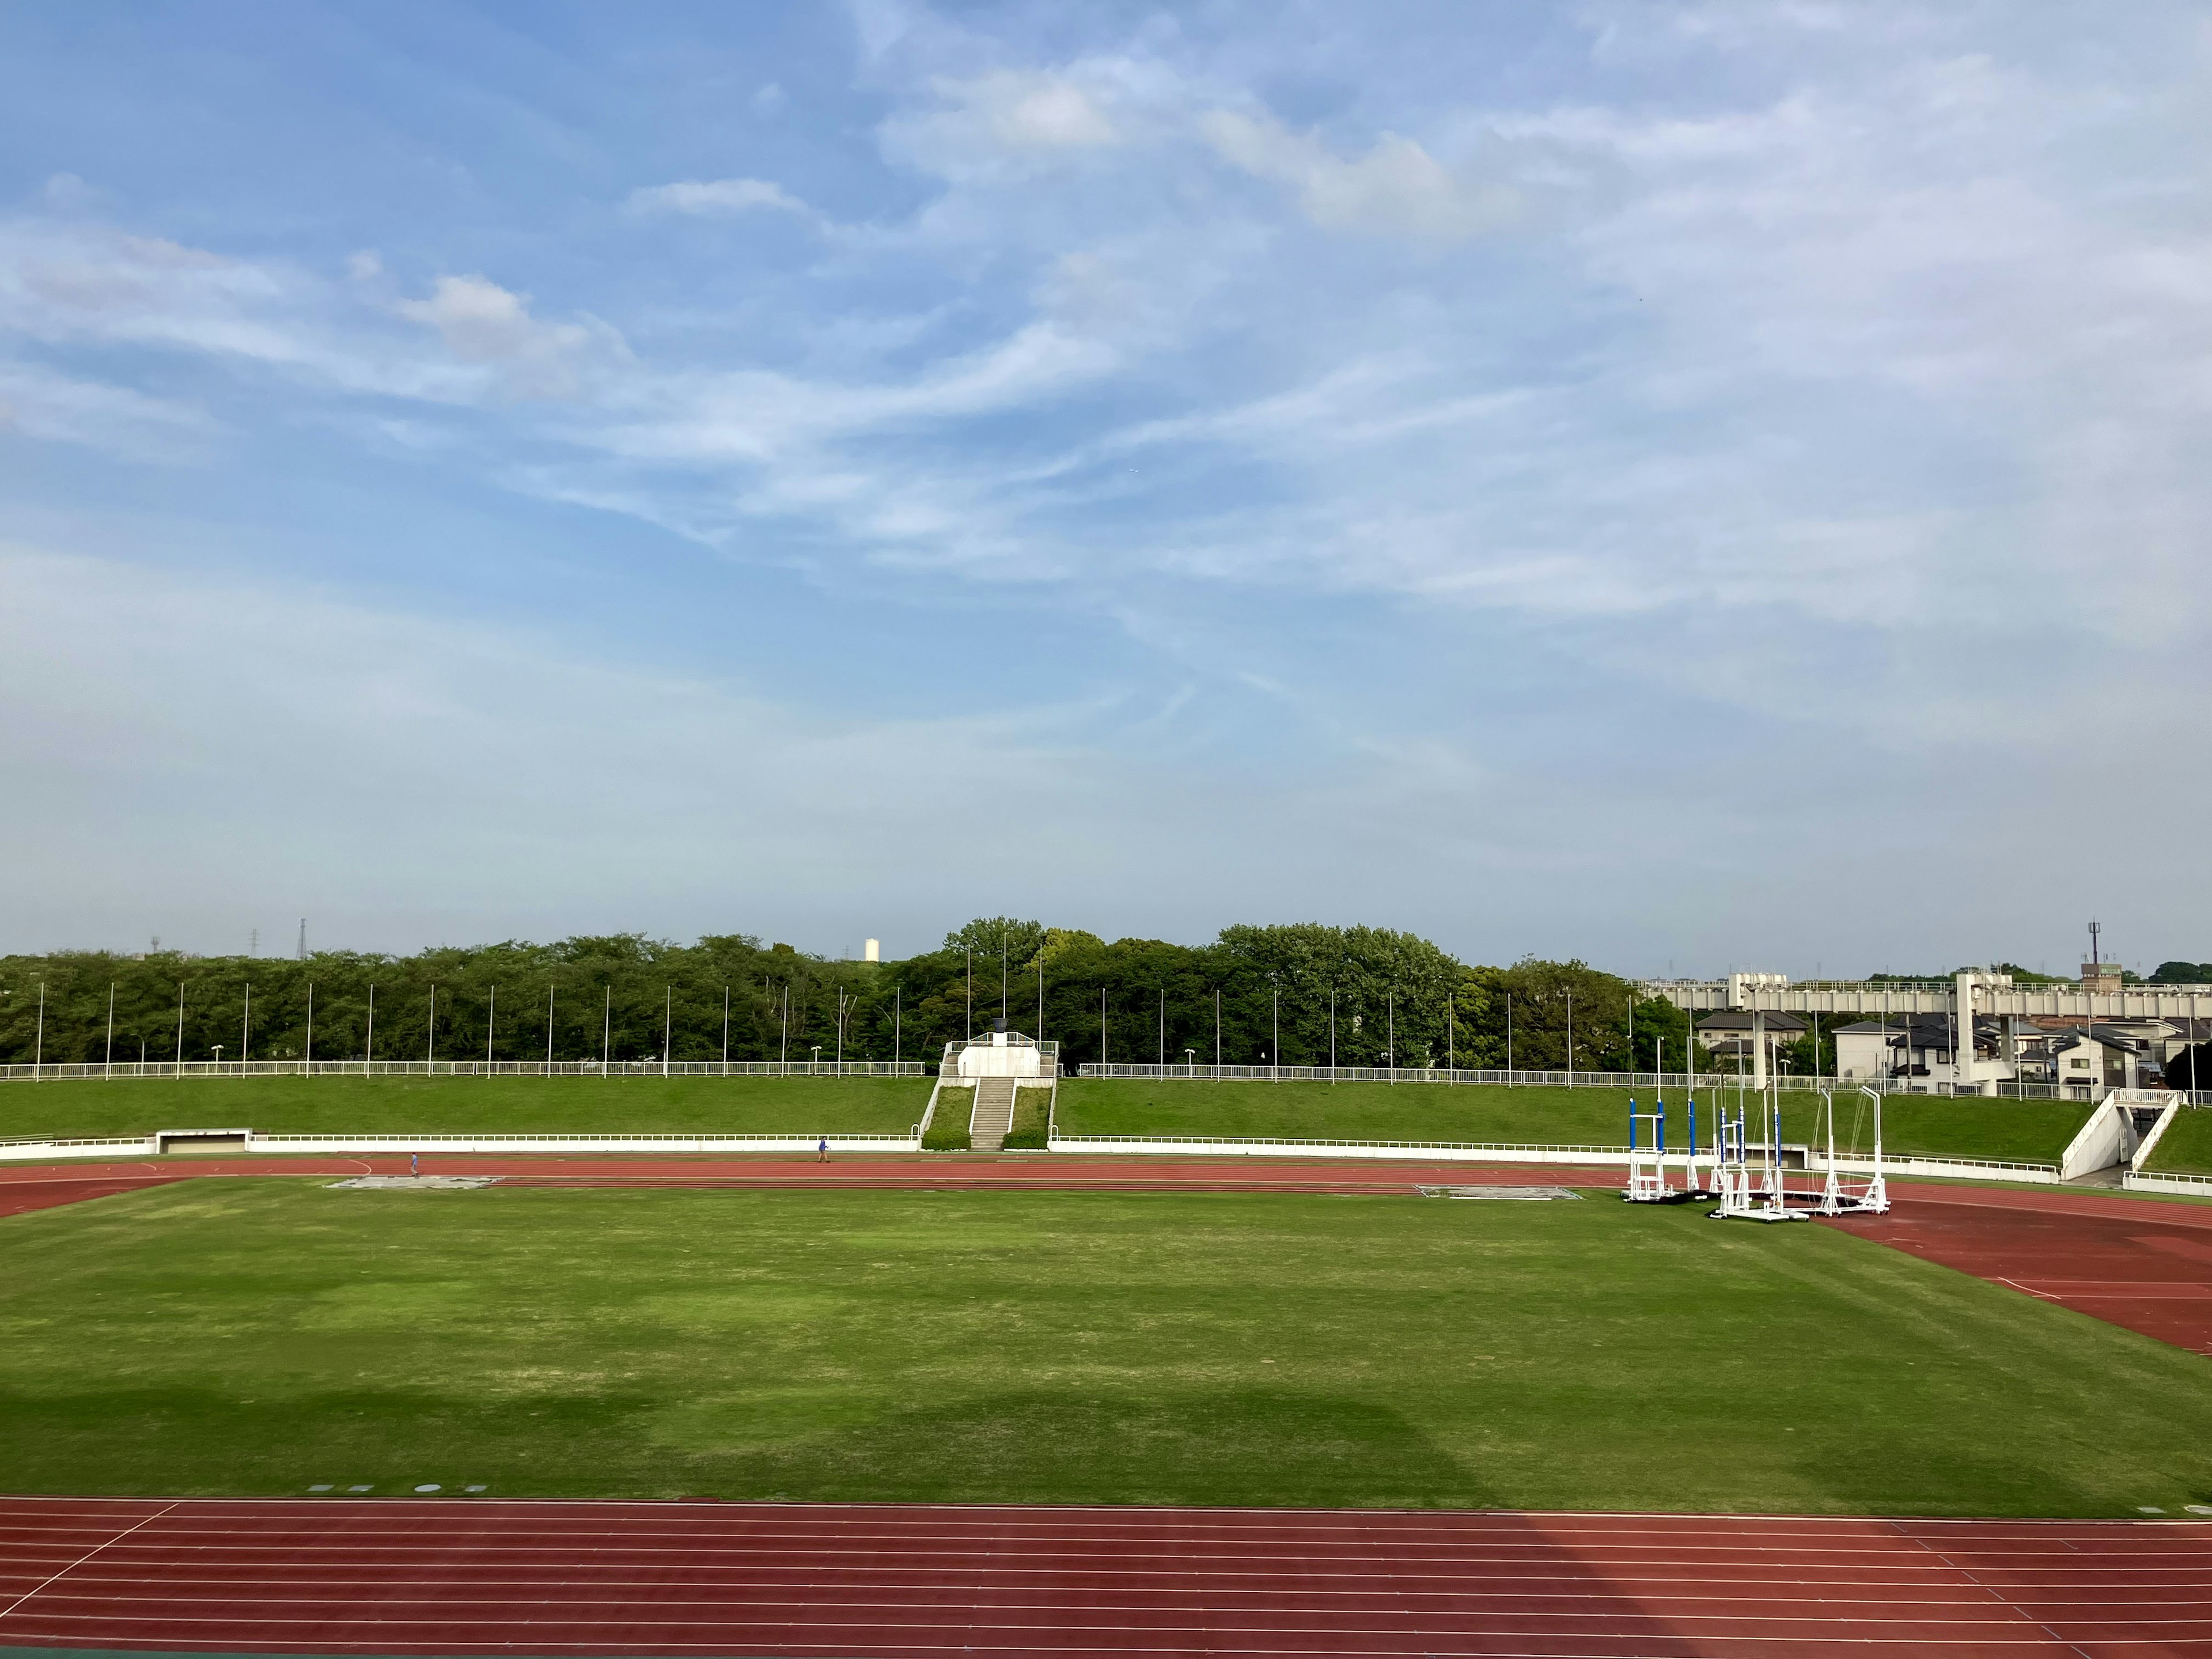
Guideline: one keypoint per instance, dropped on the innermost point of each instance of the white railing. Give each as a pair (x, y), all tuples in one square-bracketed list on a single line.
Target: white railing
[(2161, 1181), (57, 1071)]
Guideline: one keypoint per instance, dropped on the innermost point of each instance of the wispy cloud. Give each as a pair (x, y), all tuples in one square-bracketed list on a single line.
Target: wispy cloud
[(714, 196)]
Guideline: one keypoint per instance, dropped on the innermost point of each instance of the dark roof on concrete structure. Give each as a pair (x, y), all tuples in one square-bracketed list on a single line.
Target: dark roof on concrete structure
[(1735, 1019)]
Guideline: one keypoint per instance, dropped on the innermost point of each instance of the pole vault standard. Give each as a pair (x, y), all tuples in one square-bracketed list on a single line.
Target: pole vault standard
[(1647, 1165)]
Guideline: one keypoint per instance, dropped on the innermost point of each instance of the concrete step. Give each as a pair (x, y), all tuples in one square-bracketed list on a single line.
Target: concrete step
[(994, 1114)]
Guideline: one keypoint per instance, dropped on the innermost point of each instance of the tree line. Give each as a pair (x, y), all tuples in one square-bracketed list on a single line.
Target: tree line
[(1300, 995)]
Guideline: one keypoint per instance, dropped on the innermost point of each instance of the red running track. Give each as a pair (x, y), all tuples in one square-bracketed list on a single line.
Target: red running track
[(2130, 1261), (1044, 1172), (438, 1576)]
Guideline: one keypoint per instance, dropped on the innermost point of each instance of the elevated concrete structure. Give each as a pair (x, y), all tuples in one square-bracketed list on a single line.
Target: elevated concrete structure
[(1963, 997)]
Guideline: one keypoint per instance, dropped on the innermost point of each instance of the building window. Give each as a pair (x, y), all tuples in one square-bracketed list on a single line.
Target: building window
[(2079, 1065)]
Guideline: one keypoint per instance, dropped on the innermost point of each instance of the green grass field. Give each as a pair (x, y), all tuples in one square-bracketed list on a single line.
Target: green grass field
[(263, 1336), (2186, 1148), (800, 1105), (2021, 1131)]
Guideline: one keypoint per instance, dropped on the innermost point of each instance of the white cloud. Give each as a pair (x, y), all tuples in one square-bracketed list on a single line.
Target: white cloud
[(491, 327), (718, 195), (1397, 188), (37, 402)]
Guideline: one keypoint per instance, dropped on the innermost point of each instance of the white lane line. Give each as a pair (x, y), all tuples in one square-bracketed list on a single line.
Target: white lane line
[(82, 1559)]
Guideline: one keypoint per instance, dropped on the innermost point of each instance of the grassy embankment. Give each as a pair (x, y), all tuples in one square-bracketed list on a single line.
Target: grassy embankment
[(2015, 1130), (732, 1106), (265, 1337), (2021, 1131), (1032, 1109), (949, 1129), (2186, 1148)]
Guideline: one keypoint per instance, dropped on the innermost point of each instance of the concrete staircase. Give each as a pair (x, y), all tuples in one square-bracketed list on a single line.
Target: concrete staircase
[(994, 1114)]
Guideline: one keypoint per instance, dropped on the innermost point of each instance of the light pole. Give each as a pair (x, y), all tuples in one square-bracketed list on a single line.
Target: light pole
[(491, 1024), (1275, 986), (430, 1036), (725, 1030), (1509, 1038), (1570, 1039), (1332, 1034), (1164, 1027), (667, 1024), (607, 1031), (368, 1043), (311, 1028), (180, 1022), (898, 1019), (1217, 1033), (38, 1050), (108, 1068), (549, 1031)]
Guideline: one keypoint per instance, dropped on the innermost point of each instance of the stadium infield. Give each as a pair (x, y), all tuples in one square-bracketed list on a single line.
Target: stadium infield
[(880, 1582), (227, 1336)]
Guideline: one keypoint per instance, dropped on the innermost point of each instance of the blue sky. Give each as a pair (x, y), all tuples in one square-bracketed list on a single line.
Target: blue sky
[(1692, 485)]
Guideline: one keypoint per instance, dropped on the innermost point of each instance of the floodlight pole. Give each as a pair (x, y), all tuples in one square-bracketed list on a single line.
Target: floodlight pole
[(368, 1043), (783, 1053), (970, 1034), (38, 1050), (430, 1036), (1570, 1039), (491, 1024), (1002, 977), (1390, 1008), (606, 1030), (246, 1027), (725, 1030), (1102, 1025), (549, 1029), (311, 1028), (181, 1022), (1276, 986), (1332, 1034), (1451, 1044), (1217, 1034), (898, 1019), (1164, 1027), (108, 1068), (667, 1024), (1508, 1039)]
